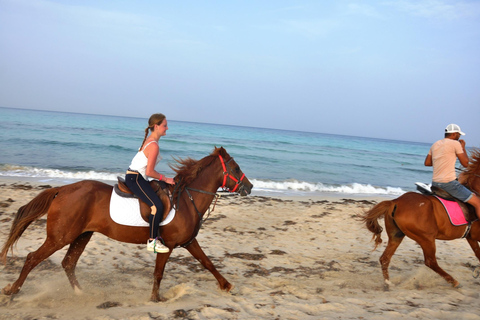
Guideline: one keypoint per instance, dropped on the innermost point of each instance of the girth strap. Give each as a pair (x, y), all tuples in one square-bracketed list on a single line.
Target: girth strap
[(467, 231)]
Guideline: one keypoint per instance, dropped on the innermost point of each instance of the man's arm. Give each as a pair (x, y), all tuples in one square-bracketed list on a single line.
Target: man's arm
[(463, 157), (428, 160)]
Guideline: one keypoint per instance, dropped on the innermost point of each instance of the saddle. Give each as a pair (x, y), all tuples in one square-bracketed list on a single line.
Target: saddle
[(467, 209), (163, 192)]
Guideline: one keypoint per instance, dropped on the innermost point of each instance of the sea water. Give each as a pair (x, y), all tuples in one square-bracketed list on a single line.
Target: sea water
[(67, 147)]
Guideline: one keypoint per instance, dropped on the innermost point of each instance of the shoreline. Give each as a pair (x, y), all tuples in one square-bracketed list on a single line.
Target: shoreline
[(296, 196)]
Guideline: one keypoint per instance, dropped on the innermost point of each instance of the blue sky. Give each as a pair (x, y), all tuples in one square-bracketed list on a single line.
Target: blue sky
[(387, 69)]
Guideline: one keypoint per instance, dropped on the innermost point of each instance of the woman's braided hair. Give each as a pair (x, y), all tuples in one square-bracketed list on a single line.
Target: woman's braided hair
[(156, 118)]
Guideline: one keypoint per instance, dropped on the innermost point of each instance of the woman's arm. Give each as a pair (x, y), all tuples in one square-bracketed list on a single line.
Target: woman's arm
[(151, 152)]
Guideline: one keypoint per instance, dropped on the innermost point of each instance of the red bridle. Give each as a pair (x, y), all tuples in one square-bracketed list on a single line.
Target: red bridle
[(227, 174)]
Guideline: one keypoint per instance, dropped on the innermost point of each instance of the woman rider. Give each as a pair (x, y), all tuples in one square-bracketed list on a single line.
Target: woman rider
[(142, 168)]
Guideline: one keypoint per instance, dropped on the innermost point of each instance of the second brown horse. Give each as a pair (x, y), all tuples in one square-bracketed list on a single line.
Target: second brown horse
[(423, 219)]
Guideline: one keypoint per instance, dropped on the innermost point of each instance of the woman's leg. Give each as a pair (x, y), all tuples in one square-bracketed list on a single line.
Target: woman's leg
[(141, 188)]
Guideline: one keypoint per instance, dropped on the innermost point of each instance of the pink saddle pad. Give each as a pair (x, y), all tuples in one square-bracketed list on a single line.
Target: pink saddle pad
[(454, 212)]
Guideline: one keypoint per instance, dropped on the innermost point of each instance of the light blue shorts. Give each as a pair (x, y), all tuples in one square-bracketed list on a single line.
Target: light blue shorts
[(456, 189)]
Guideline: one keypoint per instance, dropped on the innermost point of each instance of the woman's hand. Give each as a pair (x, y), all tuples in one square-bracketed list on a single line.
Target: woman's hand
[(169, 180)]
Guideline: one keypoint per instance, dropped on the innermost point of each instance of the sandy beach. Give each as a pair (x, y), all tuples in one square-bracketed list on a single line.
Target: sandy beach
[(288, 259)]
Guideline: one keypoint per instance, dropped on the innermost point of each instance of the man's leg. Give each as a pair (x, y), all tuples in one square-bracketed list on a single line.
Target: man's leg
[(475, 201)]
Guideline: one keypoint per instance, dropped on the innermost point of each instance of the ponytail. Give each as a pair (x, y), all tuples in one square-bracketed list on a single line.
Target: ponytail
[(146, 135)]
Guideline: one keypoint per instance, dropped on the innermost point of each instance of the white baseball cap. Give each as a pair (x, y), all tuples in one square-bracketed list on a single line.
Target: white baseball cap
[(452, 128)]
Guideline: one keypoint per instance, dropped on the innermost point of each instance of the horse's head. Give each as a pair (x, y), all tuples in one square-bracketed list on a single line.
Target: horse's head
[(470, 177), (234, 180)]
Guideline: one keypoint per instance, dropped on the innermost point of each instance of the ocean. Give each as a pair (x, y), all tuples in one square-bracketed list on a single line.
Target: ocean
[(64, 147)]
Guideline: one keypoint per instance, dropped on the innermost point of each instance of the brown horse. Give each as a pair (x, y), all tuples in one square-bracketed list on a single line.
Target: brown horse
[(423, 219), (76, 211)]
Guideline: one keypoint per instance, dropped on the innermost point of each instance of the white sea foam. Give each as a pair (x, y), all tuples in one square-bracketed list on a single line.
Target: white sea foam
[(56, 174), (266, 186), (302, 186)]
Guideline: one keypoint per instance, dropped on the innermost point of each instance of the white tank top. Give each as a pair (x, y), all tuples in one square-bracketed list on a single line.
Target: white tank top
[(139, 162)]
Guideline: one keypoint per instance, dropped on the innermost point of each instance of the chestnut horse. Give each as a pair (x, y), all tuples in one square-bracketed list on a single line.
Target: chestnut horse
[(423, 219), (76, 211)]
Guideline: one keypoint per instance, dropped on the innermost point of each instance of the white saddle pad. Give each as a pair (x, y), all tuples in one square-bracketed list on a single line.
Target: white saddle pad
[(126, 211)]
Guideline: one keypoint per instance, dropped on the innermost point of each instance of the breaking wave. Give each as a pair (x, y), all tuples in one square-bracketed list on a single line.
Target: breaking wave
[(265, 186)]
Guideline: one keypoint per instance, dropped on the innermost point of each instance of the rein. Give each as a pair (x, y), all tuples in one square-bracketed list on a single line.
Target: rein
[(216, 196), (226, 175)]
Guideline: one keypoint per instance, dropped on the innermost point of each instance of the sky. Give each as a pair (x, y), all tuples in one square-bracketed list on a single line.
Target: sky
[(398, 70)]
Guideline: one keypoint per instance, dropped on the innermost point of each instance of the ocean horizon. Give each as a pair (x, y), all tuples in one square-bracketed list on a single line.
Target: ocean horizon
[(63, 147)]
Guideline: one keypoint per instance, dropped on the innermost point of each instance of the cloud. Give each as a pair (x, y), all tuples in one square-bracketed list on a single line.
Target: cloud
[(311, 28), (87, 18), (339, 18), (363, 10), (437, 9)]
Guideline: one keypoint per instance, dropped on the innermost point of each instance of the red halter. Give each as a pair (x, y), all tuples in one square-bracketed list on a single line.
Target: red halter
[(227, 174)]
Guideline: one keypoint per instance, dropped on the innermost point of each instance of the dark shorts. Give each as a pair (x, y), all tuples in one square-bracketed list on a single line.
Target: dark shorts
[(456, 189)]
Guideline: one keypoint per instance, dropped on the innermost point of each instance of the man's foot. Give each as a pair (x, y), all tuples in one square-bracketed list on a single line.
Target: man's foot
[(156, 245)]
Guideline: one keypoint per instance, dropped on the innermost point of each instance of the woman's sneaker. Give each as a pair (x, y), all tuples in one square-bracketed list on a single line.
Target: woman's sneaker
[(156, 246), (151, 245)]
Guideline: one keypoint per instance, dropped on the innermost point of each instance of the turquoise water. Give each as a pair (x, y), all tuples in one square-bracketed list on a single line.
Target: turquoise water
[(68, 146)]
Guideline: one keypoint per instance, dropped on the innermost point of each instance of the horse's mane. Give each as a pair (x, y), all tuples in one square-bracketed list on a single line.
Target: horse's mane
[(188, 169), (473, 169)]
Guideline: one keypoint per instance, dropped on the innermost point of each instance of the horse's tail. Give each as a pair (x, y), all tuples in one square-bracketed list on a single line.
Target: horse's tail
[(370, 218), (25, 216)]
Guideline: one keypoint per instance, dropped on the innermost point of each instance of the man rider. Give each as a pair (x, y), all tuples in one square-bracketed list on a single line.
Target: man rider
[(442, 156)]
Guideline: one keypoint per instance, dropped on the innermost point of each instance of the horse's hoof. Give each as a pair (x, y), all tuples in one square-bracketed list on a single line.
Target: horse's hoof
[(233, 290), (387, 285), (227, 287), (457, 284), (7, 290), (158, 299), (78, 291), (476, 272)]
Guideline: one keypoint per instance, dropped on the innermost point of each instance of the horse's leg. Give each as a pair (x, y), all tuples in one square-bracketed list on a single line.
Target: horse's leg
[(160, 263), (197, 252), (393, 243), (395, 238), (476, 249), (429, 251), (33, 259), (71, 258)]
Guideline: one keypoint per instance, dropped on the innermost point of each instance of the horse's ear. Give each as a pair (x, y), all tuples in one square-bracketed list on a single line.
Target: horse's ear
[(218, 151), (222, 152)]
